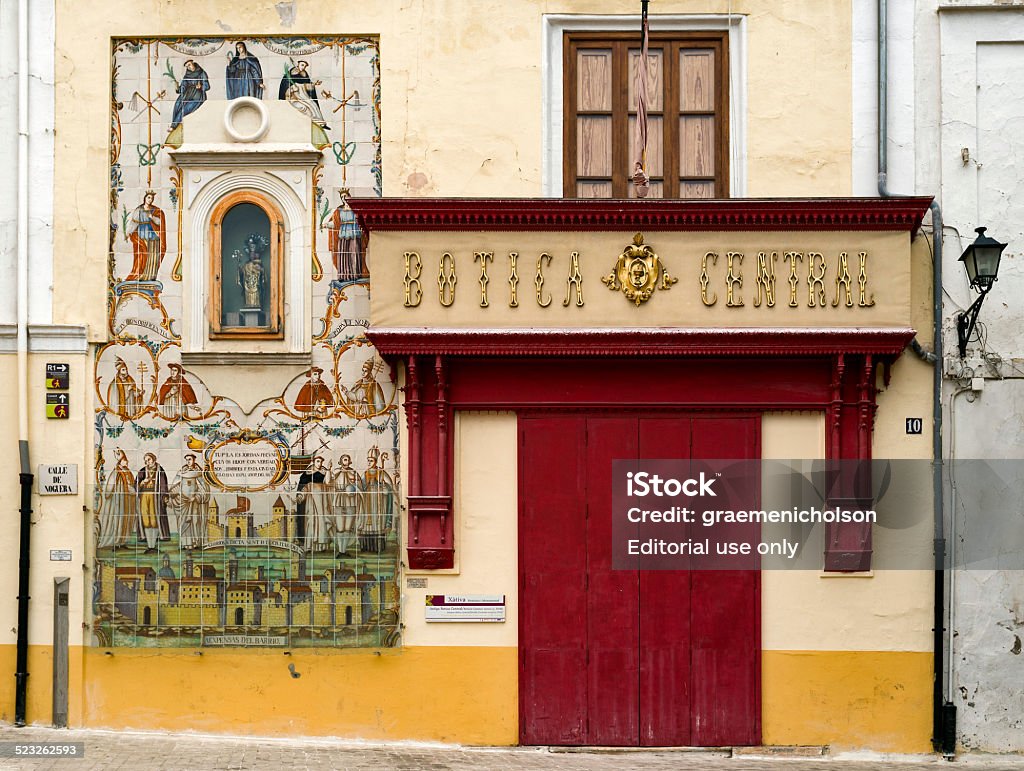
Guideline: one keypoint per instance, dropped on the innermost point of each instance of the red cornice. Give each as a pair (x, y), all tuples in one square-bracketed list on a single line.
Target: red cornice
[(639, 342), (562, 214)]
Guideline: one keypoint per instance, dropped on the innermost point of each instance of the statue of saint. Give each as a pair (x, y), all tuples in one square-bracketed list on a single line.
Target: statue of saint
[(252, 275)]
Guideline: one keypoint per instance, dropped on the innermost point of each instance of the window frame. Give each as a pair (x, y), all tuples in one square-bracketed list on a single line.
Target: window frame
[(672, 42), (274, 330)]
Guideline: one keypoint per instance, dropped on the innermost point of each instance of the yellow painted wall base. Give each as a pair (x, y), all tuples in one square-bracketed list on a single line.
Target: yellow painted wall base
[(39, 701), (464, 695), (878, 700)]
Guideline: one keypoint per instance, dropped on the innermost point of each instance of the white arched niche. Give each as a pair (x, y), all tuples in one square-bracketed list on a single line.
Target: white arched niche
[(290, 187)]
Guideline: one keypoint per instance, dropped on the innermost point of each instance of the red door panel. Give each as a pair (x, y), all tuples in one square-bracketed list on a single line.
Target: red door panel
[(664, 617), (552, 560), (623, 657), (726, 613), (612, 642)]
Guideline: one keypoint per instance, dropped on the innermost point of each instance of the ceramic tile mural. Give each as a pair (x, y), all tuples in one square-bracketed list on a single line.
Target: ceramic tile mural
[(234, 519)]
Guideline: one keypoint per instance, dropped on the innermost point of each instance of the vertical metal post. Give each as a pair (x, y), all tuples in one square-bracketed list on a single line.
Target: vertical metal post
[(60, 651), (24, 554)]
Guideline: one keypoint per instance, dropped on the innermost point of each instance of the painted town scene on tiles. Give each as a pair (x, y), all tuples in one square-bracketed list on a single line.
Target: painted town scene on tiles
[(235, 510)]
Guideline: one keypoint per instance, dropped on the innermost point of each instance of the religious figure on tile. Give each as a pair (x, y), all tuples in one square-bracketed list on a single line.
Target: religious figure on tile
[(151, 487), (345, 240), (124, 397), (244, 74), (176, 396), (118, 513), (192, 92), (299, 90), (191, 494), (147, 233), (316, 507), (315, 399), (378, 493), (347, 502), (366, 397)]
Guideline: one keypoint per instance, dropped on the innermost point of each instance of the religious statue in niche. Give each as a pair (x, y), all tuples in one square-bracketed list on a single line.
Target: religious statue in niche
[(192, 92), (315, 399), (252, 278), (146, 231), (244, 74), (299, 90), (345, 240)]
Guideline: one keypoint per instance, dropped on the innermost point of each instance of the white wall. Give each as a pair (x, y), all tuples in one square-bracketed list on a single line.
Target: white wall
[(41, 39), (956, 80), (981, 109)]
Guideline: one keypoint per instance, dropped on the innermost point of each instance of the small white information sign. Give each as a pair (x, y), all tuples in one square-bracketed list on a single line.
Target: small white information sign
[(60, 555), (479, 608), (60, 479)]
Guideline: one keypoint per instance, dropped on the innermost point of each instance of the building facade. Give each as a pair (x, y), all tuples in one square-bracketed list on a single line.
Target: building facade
[(271, 459)]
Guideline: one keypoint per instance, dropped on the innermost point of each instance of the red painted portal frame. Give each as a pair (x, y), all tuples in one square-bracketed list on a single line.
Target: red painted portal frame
[(840, 384), (833, 370)]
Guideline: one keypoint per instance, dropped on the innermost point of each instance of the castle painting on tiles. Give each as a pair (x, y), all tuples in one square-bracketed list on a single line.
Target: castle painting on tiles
[(249, 510)]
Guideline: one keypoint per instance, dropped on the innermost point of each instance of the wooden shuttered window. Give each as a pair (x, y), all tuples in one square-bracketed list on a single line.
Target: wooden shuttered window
[(687, 114)]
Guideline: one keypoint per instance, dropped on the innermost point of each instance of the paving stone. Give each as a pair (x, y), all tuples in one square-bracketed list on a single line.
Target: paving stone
[(138, 751)]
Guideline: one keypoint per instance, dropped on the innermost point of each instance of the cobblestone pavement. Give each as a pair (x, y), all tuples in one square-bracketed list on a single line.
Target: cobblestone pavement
[(147, 752)]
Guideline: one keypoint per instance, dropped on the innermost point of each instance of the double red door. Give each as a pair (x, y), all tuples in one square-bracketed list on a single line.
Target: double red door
[(618, 657)]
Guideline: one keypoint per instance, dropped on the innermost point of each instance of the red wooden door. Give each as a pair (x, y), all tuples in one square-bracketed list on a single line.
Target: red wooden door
[(615, 657), (664, 619), (553, 575), (725, 613), (612, 595)]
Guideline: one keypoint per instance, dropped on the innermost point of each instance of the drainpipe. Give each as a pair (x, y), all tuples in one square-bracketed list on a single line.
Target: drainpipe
[(25, 477), (943, 710)]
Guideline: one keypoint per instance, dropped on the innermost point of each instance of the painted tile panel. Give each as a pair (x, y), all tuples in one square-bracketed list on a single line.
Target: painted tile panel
[(214, 524)]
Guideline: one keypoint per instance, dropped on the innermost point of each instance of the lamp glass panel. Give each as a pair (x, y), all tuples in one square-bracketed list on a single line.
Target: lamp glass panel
[(970, 265), (987, 260)]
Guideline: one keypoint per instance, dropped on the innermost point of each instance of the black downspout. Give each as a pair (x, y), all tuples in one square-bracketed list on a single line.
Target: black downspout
[(943, 712), (21, 668)]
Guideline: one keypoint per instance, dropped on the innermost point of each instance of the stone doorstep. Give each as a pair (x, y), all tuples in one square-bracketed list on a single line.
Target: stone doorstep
[(763, 751), (714, 752), (774, 751)]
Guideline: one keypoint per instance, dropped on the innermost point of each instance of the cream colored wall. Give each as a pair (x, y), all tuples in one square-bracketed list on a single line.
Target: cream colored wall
[(444, 132), (909, 392), (486, 536), (58, 520), (804, 610)]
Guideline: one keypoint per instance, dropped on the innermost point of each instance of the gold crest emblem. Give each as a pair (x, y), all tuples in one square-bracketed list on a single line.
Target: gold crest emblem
[(638, 272)]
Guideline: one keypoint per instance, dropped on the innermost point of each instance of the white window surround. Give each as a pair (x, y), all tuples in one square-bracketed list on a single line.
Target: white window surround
[(554, 25), (205, 188)]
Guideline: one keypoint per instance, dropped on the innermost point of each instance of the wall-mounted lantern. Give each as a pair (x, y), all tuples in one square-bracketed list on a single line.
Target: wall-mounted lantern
[(981, 261)]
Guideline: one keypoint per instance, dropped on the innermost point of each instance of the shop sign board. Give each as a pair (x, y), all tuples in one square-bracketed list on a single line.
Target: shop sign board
[(465, 607)]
